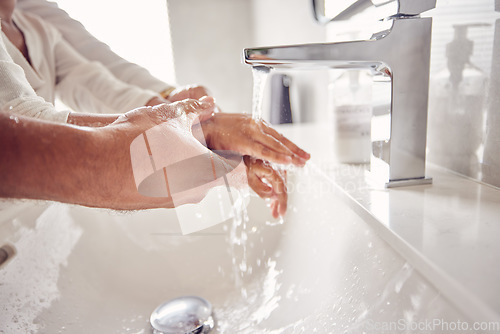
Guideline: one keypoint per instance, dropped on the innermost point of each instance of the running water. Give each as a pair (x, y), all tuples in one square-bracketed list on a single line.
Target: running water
[(260, 74), (238, 232), (255, 277), (238, 241)]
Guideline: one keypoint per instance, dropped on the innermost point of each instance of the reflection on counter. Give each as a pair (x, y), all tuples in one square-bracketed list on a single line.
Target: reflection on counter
[(462, 135), (491, 161)]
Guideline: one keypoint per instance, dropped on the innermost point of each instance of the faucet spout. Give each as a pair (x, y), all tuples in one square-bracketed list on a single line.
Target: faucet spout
[(403, 53), (332, 55)]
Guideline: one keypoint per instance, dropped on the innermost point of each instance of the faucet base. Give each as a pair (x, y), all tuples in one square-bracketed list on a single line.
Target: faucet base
[(408, 182)]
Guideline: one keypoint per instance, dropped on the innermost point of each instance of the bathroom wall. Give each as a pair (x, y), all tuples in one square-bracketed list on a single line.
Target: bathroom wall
[(281, 22), (464, 101), (208, 38)]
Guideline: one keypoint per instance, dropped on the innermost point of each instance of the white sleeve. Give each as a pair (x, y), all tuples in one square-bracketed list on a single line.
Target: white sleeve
[(17, 96), (91, 48), (89, 87)]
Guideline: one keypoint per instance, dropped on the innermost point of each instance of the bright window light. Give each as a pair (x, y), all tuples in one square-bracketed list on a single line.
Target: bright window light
[(136, 30)]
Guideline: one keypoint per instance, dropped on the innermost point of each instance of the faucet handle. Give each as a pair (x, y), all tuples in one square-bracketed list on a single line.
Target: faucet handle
[(344, 10), (415, 7)]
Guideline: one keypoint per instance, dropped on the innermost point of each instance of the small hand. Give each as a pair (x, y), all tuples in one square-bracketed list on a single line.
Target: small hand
[(268, 182), (241, 133)]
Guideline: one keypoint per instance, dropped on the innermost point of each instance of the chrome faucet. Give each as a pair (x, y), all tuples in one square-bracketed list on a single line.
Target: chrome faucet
[(402, 53)]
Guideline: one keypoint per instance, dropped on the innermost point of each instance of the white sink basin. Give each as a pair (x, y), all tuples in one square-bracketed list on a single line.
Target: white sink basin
[(324, 270)]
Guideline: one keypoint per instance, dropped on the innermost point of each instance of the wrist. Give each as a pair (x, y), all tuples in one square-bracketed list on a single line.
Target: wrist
[(208, 129), (91, 120), (114, 172), (110, 168)]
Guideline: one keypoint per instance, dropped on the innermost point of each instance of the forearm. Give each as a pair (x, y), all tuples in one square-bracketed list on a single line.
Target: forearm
[(99, 120), (70, 164), (40, 161), (91, 120)]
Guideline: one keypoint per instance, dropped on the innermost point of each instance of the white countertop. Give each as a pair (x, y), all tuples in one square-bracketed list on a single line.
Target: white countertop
[(450, 230)]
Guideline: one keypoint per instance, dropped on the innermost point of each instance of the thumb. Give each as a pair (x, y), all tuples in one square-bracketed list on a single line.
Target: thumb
[(188, 107), (208, 108), (196, 111), (200, 107), (208, 99)]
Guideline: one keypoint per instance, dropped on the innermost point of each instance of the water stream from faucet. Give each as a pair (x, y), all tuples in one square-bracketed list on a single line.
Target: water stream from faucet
[(260, 75)]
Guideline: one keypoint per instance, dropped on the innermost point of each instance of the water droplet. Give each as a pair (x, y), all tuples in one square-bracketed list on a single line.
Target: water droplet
[(14, 118)]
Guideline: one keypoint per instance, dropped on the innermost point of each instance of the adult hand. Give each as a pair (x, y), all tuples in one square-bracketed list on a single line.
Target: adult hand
[(233, 132), (187, 92), (167, 128), (87, 165), (97, 120), (140, 118), (194, 92), (268, 182), (156, 100), (241, 133)]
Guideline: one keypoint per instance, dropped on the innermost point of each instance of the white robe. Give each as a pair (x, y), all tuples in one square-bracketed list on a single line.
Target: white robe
[(56, 68)]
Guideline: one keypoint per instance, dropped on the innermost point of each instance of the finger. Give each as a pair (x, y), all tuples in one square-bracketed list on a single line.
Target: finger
[(197, 92), (188, 92), (282, 197), (274, 208), (273, 144), (207, 113), (191, 106), (205, 104), (277, 183), (208, 99), (260, 188), (254, 169), (288, 143), (262, 151), (268, 175)]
